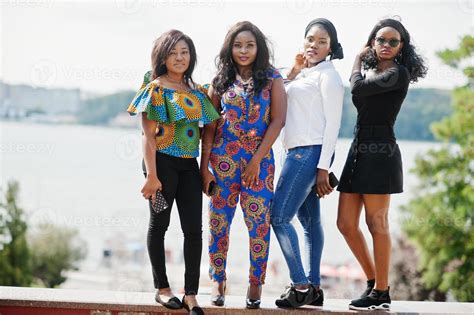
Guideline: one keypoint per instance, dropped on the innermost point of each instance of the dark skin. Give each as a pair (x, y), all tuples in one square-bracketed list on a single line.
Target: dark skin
[(244, 52), (176, 64), (317, 46), (376, 205)]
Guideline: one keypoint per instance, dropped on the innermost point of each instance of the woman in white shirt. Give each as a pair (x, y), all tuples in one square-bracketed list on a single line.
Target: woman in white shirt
[(315, 96)]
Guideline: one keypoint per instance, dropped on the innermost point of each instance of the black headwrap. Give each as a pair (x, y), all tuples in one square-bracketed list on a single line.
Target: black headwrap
[(336, 48), (396, 25)]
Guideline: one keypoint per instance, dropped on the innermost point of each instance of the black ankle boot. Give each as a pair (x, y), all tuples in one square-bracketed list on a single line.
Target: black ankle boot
[(370, 286)]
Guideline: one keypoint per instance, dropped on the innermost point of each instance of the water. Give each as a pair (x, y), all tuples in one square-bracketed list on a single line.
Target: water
[(89, 178)]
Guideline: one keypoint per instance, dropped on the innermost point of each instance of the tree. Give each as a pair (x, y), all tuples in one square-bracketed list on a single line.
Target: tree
[(55, 250), (440, 220), (15, 269)]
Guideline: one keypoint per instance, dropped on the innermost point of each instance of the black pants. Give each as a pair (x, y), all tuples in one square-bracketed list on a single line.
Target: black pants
[(181, 181)]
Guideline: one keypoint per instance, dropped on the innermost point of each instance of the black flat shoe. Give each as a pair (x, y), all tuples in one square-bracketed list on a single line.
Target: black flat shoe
[(251, 303), (196, 310), (173, 303), (219, 299)]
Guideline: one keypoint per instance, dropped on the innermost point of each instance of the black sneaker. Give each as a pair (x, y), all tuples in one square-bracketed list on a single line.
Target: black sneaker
[(376, 300), (370, 286), (293, 298), (319, 297)]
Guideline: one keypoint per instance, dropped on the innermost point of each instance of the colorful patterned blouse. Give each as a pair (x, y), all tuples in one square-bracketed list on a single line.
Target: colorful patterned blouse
[(246, 116), (178, 114)]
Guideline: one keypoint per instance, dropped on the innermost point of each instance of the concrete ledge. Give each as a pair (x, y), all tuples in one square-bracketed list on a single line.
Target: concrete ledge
[(38, 301)]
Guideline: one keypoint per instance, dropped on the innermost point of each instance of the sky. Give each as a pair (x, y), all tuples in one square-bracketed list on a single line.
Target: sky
[(104, 46)]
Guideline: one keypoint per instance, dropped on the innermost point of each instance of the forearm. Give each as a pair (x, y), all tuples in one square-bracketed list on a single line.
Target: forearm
[(357, 65), (207, 142), (268, 140), (149, 156), (292, 74)]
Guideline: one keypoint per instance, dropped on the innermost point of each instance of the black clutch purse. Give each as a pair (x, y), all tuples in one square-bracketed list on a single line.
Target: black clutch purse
[(333, 181), (160, 203)]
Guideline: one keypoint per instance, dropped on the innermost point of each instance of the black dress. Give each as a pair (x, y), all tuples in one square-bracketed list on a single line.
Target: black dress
[(374, 162)]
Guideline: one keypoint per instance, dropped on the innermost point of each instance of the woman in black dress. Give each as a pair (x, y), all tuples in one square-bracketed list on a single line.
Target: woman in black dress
[(373, 169)]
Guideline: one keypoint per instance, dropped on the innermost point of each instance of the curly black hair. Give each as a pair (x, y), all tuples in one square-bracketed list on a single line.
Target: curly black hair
[(409, 58), (226, 71)]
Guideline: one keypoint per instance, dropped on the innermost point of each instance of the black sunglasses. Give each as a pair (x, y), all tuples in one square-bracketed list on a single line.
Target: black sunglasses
[(392, 42)]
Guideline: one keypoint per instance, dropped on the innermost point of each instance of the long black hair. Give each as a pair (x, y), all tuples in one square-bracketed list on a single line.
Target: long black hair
[(407, 57), (226, 70), (162, 48)]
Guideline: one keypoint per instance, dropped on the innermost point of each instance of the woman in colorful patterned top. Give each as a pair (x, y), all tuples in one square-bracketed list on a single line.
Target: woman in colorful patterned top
[(172, 107), (251, 94)]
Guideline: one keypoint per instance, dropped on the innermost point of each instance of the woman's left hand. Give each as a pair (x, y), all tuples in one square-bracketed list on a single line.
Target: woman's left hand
[(251, 174), (323, 186)]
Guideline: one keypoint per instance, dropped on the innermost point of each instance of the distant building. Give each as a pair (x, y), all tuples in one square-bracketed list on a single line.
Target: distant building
[(25, 98)]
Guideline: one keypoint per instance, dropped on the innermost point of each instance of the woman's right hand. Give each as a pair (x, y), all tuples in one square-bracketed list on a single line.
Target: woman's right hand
[(152, 184), (207, 178), (300, 64)]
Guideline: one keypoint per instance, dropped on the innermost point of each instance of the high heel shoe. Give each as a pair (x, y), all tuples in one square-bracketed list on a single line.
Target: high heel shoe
[(251, 303), (196, 310), (218, 299)]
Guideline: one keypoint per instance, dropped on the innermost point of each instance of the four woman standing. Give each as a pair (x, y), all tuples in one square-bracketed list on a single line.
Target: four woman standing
[(249, 93)]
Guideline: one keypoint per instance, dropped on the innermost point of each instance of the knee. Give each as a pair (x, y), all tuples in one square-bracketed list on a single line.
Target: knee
[(378, 224), (192, 234), (347, 227)]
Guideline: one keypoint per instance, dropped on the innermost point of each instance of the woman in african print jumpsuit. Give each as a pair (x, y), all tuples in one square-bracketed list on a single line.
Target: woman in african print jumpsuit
[(251, 95)]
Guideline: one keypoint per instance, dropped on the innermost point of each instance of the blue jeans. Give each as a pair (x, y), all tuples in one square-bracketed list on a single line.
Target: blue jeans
[(294, 195)]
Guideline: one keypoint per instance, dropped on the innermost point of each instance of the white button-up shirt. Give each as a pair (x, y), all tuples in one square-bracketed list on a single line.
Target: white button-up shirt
[(314, 110)]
